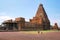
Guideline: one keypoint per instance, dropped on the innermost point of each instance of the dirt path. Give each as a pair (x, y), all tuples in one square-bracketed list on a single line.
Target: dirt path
[(22, 36)]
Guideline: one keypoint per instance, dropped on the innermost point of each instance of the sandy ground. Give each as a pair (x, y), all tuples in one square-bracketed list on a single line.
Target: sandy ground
[(24, 36)]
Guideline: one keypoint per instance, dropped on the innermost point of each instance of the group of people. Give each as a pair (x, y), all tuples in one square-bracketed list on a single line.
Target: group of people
[(40, 32)]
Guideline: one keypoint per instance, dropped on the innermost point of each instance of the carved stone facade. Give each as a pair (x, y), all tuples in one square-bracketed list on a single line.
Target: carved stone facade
[(41, 18), (20, 23), (39, 22)]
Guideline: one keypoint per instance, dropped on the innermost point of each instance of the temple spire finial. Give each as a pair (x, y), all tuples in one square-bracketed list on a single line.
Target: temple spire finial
[(41, 4)]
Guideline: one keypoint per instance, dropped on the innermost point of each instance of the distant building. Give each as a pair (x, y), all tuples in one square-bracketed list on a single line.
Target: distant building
[(55, 27), (39, 22)]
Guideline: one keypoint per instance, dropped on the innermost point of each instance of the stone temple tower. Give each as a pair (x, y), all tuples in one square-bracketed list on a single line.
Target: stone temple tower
[(41, 19)]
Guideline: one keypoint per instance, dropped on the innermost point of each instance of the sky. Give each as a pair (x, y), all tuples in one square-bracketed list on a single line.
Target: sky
[(11, 9)]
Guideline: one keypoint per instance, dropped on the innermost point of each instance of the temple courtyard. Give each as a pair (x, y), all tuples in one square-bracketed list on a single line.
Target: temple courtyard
[(30, 35)]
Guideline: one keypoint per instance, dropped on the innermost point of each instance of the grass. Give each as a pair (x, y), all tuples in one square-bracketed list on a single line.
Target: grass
[(36, 32)]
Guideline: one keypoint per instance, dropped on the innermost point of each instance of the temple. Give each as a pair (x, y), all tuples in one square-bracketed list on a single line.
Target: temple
[(55, 27), (41, 18), (39, 22)]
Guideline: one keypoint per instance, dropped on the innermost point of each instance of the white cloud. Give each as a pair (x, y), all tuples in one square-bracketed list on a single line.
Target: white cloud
[(4, 17)]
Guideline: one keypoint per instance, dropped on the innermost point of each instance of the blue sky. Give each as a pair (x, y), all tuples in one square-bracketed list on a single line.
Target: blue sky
[(11, 9)]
